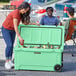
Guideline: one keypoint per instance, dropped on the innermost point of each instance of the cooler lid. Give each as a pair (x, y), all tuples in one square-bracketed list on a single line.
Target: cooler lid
[(42, 35)]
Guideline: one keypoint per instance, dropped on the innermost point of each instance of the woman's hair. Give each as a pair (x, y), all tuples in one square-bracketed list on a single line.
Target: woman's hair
[(71, 11), (26, 20), (24, 5)]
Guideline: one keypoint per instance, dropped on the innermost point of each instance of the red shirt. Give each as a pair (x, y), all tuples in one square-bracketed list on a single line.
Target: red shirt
[(8, 23), (71, 29)]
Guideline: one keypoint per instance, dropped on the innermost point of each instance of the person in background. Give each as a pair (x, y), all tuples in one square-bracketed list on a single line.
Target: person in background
[(70, 24), (10, 29), (49, 19)]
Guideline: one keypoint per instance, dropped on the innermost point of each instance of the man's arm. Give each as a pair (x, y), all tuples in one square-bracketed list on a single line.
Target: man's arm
[(66, 25), (42, 21), (57, 21)]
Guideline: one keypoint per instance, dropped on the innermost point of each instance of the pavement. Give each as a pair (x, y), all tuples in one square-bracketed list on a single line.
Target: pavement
[(69, 69), (69, 66)]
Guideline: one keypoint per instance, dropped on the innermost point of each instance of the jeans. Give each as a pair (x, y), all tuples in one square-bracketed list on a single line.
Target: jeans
[(9, 38)]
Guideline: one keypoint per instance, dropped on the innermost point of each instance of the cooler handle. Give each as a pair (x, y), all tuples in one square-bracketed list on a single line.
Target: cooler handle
[(37, 52)]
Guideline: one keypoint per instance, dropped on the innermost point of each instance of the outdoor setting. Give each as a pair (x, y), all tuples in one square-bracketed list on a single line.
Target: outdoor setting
[(38, 37)]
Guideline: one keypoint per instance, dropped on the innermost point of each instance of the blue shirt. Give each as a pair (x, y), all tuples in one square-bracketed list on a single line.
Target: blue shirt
[(49, 20)]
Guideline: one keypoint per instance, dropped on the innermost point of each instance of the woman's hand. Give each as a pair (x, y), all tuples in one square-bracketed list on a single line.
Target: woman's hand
[(34, 24), (21, 40)]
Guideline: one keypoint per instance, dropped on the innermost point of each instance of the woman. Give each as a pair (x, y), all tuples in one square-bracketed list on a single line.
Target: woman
[(10, 29)]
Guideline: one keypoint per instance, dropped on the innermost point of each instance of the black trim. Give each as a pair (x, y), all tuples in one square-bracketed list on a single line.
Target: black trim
[(62, 60), (57, 67)]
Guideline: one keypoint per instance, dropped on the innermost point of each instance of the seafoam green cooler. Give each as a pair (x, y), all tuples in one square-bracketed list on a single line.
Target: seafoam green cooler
[(45, 59)]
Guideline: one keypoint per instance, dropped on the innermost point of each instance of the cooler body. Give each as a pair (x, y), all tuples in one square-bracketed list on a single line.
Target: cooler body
[(34, 56)]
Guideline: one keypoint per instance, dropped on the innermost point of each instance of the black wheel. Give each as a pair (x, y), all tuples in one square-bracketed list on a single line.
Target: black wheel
[(57, 67)]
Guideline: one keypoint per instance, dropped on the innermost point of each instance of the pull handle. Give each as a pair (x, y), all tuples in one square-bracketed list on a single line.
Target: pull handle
[(37, 52)]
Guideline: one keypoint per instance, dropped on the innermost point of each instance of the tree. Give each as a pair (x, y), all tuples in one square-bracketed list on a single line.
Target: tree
[(4, 0)]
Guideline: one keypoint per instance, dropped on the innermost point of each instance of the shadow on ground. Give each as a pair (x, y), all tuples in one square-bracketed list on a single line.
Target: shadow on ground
[(67, 67), (4, 72)]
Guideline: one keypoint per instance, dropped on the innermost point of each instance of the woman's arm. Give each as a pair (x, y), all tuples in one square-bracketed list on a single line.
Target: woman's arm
[(15, 21)]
